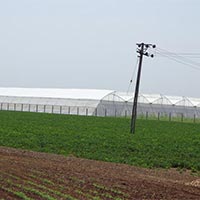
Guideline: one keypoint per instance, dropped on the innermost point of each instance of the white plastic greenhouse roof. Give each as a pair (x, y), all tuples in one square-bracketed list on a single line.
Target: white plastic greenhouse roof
[(154, 98), (96, 94), (92, 94)]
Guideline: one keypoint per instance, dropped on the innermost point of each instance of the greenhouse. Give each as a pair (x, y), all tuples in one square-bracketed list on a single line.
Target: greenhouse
[(95, 102)]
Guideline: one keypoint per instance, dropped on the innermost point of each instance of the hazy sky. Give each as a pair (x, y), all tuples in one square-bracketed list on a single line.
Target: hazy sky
[(92, 44)]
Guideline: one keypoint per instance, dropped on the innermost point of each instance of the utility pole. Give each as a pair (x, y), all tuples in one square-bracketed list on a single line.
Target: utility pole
[(142, 50)]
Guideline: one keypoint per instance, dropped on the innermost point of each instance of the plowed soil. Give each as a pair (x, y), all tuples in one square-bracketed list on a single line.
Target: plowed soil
[(32, 175)]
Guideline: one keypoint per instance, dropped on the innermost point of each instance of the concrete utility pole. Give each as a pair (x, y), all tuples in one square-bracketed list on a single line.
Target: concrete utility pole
[(142, 50)]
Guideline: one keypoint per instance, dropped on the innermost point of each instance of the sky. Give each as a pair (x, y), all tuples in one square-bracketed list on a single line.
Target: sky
[(92, 44)]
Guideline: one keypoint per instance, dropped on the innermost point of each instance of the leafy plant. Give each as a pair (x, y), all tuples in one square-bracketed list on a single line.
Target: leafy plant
[(155, 143)]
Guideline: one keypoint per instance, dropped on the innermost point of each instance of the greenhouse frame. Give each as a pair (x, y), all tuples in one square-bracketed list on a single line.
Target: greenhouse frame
[(95, 102)]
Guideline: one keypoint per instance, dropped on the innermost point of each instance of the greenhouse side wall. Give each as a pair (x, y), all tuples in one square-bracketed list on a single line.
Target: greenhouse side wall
[(111, 108), (54, 109), (96, 108), (49, 105)]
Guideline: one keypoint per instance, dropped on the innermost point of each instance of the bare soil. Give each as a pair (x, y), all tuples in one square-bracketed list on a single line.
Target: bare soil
[(32, 175)]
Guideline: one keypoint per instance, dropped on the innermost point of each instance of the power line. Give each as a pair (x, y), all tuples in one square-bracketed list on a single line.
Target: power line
[(179, 59), (133, 75), (177, 55), (192, 54), (187, 55)]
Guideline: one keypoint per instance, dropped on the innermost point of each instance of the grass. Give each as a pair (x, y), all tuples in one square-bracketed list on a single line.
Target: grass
[(155, 144)]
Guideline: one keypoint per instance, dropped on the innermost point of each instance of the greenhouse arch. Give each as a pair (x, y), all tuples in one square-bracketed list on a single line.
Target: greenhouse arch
[(94, 102)]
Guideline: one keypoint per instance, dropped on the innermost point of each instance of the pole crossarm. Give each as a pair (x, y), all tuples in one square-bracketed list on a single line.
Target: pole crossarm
[(142, 50)]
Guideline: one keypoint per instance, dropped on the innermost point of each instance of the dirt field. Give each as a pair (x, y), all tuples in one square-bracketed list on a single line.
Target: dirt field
[(31, 175)]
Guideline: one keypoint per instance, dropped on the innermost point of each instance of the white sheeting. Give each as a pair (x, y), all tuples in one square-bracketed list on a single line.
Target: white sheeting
[(91, 94), (94, 94)]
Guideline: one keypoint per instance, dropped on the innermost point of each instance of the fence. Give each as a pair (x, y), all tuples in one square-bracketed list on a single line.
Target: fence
[(99, 111), (56, 109)]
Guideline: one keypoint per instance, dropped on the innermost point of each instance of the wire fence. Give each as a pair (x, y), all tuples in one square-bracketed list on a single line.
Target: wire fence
[(99, 111)]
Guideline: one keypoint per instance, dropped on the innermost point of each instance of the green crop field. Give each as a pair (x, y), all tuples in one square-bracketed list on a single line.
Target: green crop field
[(155, 144)]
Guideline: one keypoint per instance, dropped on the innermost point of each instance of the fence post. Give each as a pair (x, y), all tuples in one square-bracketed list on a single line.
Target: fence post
[(125, 113), (147, 114), (14, 106), (77, 110), (36, 108), (29, 107), (181, 117), (96, 112), (105, 112), (22, 107), (69, 110), (60, 109), (86, 112), (1, 106), (170, 116), (115, 113), (7, 106), (44, 108), (52, 109), (158, 116)]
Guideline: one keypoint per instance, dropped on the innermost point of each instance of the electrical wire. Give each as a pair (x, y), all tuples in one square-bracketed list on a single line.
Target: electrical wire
[(177, 58), (183, 54), (133, 75), (179, 61), (180, 56), (187, 55)]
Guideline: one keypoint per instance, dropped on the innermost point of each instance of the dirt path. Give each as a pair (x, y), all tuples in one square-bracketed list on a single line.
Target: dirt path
[(31, 175)]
